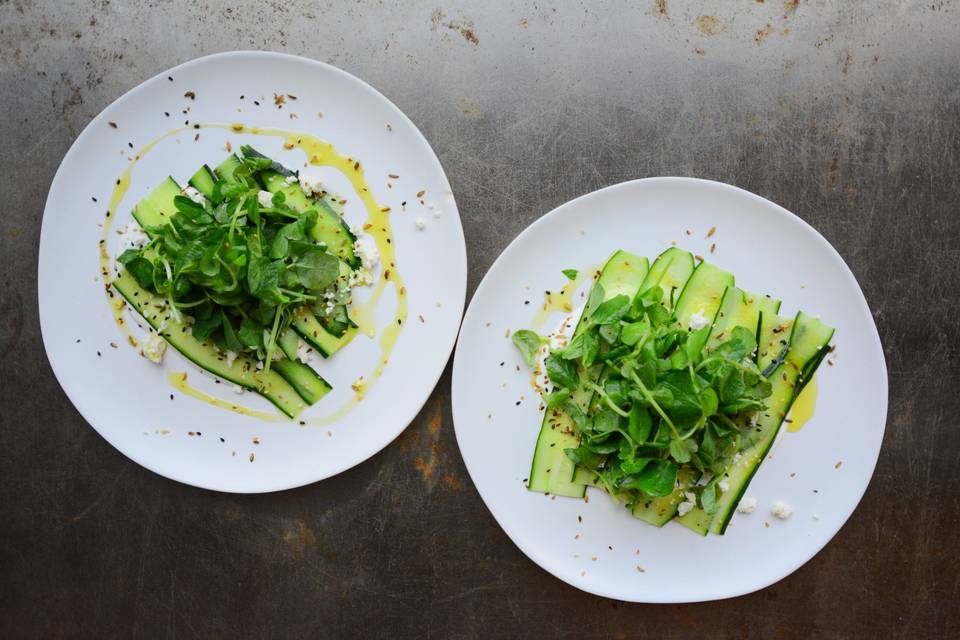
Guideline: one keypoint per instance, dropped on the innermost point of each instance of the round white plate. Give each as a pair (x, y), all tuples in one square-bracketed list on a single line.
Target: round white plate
[(822, 470), (128, 399)]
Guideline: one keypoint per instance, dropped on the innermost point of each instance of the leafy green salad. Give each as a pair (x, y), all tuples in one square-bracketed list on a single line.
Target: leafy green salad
[(671, 389), (248, 271)]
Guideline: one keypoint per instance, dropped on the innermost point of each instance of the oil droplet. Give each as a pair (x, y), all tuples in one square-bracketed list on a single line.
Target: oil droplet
[(803, 407)]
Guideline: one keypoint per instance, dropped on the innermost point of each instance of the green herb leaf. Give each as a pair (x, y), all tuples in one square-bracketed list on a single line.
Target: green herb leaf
[(528, 342), (571, 273), (557, 398), (562, 373), (611, 310)]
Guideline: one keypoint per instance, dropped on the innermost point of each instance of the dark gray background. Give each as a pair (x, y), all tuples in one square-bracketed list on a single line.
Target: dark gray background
[(847, 113)]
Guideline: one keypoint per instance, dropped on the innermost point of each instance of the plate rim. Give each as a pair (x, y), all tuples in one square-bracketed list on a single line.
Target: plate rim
[(60, 176), (779, 210)]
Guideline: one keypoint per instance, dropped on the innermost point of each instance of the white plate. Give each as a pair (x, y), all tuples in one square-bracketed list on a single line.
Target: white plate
[(770, 251), (125, 397)]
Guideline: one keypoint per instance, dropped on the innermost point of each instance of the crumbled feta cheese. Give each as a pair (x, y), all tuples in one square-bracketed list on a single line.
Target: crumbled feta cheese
[(132, 237), (366, 248), (697, 321), (259, 365), (724, 485), (421, 223), (685, 507), (747, 505), (291, 179), (231, 356), (237, 389), (304, 352), (193, 194), (781, 509), (361, 278), (310, 183), (265, 198), (153, 348)]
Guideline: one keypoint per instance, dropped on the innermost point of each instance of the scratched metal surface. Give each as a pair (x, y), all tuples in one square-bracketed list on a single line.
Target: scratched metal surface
[(847, 113)]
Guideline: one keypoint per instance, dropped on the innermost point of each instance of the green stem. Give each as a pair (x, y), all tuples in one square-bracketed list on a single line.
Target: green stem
[(653, 403), (613, 405)]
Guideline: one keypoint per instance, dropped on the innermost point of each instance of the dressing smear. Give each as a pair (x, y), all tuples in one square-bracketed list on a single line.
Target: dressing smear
[(562, 301), (803, 407), (320, 153)]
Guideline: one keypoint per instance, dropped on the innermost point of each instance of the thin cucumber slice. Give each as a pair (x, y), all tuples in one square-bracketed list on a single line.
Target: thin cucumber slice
[(242, 371), (551, 470), (205, 182), (305, 381), (157, 207), (809, 343)]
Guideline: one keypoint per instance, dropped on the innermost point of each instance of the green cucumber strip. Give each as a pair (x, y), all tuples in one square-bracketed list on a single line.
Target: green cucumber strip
[(551, 470), (271, 385), (809, 343), (306, 382), (205, 182)]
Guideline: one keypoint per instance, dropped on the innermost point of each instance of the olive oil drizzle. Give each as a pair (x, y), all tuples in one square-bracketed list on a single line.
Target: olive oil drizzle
[(803, 407)]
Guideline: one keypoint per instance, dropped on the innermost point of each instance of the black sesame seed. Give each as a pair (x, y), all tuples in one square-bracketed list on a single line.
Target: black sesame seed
[(222, 440), (98, 354), (166, 113), (256, 103), (170, 78), (171, 396), (93, 198)]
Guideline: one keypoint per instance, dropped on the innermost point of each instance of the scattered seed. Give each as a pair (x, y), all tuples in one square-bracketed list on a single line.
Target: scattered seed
[(712, 231), (190, 94)]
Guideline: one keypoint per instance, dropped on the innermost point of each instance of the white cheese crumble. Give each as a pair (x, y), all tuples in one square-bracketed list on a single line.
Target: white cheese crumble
[(747, 505), (421, 223), (304, 352), (265, 198), (687, 505), (310, 183), (781, 509), (291, 179), (231, 356), (366, 248), (132, 237), (360, 278), (153, 348), (724, 485), (193, 194), (697, 321), (237, 389)]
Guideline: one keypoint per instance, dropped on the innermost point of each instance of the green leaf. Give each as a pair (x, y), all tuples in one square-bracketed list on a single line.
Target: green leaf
[(679, 451), (658, 478), (263, 277), (591, 347), (562, 373), (609, 333), (571, 273), (635, 466), (709, 402), (140, 268), (230, 339), (251, 333), (203, 327), (528, 342), (611, 310), (583, 457), (633, 332), (708, 498), (639, 423), (317, 270), (606, 421), (557, 398)]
